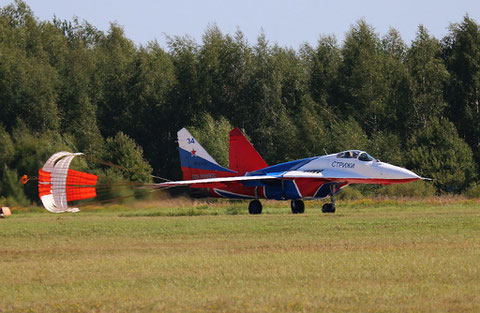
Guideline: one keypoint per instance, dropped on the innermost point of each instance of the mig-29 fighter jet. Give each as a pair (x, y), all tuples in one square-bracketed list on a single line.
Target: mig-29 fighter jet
[(249, 177)]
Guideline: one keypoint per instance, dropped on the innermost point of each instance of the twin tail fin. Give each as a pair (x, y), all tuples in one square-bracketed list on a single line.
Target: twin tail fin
[(197, 163)]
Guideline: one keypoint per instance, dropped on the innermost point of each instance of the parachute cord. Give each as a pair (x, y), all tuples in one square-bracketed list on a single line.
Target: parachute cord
[(123, 197), (158, 177), (120, 167)]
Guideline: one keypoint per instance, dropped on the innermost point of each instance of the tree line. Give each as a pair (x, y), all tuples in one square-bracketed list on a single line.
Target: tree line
[(67, 85)]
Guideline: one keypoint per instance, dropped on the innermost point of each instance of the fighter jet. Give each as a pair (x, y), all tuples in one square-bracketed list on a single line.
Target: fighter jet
[(249, 176)]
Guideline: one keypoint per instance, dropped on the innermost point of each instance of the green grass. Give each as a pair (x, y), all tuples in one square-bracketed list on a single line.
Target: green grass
[(370, 256)]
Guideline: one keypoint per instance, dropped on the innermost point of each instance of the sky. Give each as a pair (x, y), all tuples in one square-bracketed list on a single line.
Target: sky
[(287, 23)]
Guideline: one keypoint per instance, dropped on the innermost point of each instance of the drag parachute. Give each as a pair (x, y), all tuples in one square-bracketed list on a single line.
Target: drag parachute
[(58, 185)]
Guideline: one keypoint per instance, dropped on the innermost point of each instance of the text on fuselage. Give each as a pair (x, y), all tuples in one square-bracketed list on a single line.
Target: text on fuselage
[(343, 164)]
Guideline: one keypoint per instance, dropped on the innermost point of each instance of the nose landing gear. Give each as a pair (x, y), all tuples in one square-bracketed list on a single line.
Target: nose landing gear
[(330, 207)]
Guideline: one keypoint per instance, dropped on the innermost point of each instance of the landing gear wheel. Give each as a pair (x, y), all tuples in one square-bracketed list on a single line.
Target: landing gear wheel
[(255, 207), (328, 208), (298, 206)]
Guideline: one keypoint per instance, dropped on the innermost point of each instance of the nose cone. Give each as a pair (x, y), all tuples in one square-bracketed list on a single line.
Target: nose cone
[(389, 171)]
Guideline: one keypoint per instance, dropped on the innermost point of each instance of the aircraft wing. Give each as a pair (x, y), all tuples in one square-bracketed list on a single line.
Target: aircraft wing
[(325, 175)]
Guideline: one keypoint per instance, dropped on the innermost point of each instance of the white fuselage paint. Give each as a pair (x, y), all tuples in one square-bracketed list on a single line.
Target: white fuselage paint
[(330, 166)]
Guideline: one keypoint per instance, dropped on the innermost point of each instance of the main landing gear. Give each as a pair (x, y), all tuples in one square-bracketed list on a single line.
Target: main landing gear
[(330, 207), (255, 207), (298, 206)]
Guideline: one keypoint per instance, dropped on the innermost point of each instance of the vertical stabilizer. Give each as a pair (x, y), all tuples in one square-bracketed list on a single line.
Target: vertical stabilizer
[(243, 156), (196, 162)]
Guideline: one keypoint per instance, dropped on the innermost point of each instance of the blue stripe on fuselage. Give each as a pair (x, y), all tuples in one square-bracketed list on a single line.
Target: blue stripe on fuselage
[(282, 167)]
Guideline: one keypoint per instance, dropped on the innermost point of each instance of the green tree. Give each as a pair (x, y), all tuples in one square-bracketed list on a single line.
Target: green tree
[(185, 103), (346, 135), (393, 44), (386, 147), (74, 63), (437, 152), (362, 80), (123, 151), (398, 97), (6, 156), (150, 87), (322, 66), (6, 147), (462, 56), (293, 78), (18, 14), (222, 72), (429, 76), (27, 90), (263, 108), (114, 69), (313, 136), (285, 140)]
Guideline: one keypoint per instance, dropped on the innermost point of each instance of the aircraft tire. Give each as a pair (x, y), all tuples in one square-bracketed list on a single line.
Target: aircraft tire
[(298, 206), (328, 208), (255, 207)]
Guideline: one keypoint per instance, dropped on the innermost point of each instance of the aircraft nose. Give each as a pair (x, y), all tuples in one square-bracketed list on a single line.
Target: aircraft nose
[(407, 173), (396, 172)]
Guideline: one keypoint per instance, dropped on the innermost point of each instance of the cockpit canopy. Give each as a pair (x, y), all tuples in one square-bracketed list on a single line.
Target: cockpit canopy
[(356, 154)]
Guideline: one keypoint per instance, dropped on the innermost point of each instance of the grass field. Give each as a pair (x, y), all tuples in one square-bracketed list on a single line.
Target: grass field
[(370, 256)]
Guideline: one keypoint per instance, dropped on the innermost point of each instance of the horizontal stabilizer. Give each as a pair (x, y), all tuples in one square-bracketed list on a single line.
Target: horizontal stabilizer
[(206, 181)]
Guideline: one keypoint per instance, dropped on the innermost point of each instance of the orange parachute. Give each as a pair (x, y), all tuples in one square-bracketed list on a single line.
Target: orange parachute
[(58, 185)]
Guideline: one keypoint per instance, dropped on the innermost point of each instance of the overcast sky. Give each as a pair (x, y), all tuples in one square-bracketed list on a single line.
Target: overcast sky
[(288, 23)]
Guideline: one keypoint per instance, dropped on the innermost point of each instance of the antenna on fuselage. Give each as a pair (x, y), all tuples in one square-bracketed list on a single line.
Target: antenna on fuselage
[(325, 151)]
